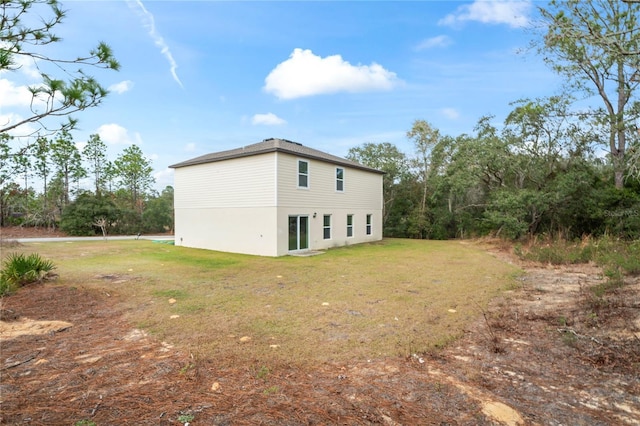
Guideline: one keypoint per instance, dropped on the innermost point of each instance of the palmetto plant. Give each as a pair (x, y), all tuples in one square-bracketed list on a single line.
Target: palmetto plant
[(19, 269)]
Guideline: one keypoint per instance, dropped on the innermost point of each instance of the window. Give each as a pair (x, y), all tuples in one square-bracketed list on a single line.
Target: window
[(368, 224), (303, 174), (339, 179), (349, 225), (326, 227)]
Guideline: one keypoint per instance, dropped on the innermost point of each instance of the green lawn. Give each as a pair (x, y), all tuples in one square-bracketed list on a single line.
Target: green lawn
[(391, 298)]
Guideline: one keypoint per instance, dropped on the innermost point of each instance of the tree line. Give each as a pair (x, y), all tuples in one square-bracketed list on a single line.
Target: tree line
[(121, 190), (41, 168), (539, 173)]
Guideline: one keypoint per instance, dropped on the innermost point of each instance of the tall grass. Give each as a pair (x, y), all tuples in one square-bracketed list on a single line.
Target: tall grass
[(616, 257), (606, 252)]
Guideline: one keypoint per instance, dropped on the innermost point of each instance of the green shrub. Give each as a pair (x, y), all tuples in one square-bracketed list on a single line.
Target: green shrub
[(5, 287), (78, 217), (19, 269)]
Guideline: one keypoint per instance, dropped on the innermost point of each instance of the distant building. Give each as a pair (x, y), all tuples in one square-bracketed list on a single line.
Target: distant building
[(274, 198)]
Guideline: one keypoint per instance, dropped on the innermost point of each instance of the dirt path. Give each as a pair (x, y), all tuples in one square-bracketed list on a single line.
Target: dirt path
[(547, 354)]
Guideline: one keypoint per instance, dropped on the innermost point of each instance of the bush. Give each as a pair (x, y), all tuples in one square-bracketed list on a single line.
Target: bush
[(620, 213), (20, 269), (78, 217)]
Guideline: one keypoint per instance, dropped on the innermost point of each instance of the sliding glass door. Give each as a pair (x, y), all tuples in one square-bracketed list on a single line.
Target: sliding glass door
[(298, 233)]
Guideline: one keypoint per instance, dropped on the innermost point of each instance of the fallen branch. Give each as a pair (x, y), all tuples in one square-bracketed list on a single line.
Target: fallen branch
[(93, 412), (572, 331), (24, 361)]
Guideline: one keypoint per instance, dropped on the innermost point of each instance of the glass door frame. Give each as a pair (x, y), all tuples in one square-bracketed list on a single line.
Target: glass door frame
[(298, 234)]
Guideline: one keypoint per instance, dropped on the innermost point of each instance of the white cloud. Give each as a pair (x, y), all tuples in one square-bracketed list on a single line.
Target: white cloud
[(150, 24), (24, 64), (164, 178), (16, 103), (269, 119), (12, 95), (438, 41), (190, 147), (306, 74), (20, 131), (115, 134), (27, 66), (122, 87), (512, 13), (450, 113)]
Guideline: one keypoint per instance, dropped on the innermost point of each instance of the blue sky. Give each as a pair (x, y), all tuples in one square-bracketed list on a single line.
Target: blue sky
[(205, 76)]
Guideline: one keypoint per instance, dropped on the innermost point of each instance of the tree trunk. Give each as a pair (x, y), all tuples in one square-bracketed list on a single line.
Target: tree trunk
[(618, 155), (619, 179)]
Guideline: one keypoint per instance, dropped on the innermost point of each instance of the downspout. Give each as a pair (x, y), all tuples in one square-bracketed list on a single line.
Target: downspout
[(275, 191), (276, 179)]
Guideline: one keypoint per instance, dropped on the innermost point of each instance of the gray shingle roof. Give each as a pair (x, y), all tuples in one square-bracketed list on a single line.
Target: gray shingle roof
[(274, 145)]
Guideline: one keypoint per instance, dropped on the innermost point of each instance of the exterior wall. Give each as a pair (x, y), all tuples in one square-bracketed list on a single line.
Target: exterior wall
[(235, 230), (362, 190), (236, 183), (227, 205), (338, 227), (362, 195)]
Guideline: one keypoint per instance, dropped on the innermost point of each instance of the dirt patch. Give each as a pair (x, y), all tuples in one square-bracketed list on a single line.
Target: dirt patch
[(547, 353), (27, 327), (13, 232)]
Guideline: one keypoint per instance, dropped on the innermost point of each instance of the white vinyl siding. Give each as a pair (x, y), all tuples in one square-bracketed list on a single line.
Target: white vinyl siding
[(364, 188), (236, 183)]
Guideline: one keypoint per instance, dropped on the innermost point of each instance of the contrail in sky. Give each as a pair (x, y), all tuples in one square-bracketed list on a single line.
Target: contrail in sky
[(150, 25)]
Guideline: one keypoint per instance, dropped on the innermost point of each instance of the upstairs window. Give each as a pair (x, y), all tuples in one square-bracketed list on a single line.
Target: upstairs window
[(339, 179), (326, 227), (303, 174), (368, 224), (349, 225)]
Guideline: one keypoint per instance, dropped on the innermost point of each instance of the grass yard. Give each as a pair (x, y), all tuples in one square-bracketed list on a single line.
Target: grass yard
[(395, 297)]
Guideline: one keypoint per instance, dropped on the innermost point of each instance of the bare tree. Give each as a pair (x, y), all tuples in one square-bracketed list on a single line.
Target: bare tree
[(102, 224)]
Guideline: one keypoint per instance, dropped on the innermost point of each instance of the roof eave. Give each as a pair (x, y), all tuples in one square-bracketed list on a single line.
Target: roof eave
[(203, 160)]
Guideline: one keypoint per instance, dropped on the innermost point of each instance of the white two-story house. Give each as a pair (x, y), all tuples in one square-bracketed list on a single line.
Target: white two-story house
[(273, 198)]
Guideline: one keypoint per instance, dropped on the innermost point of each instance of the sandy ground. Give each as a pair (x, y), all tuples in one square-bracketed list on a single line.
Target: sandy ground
[(546, 353)]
